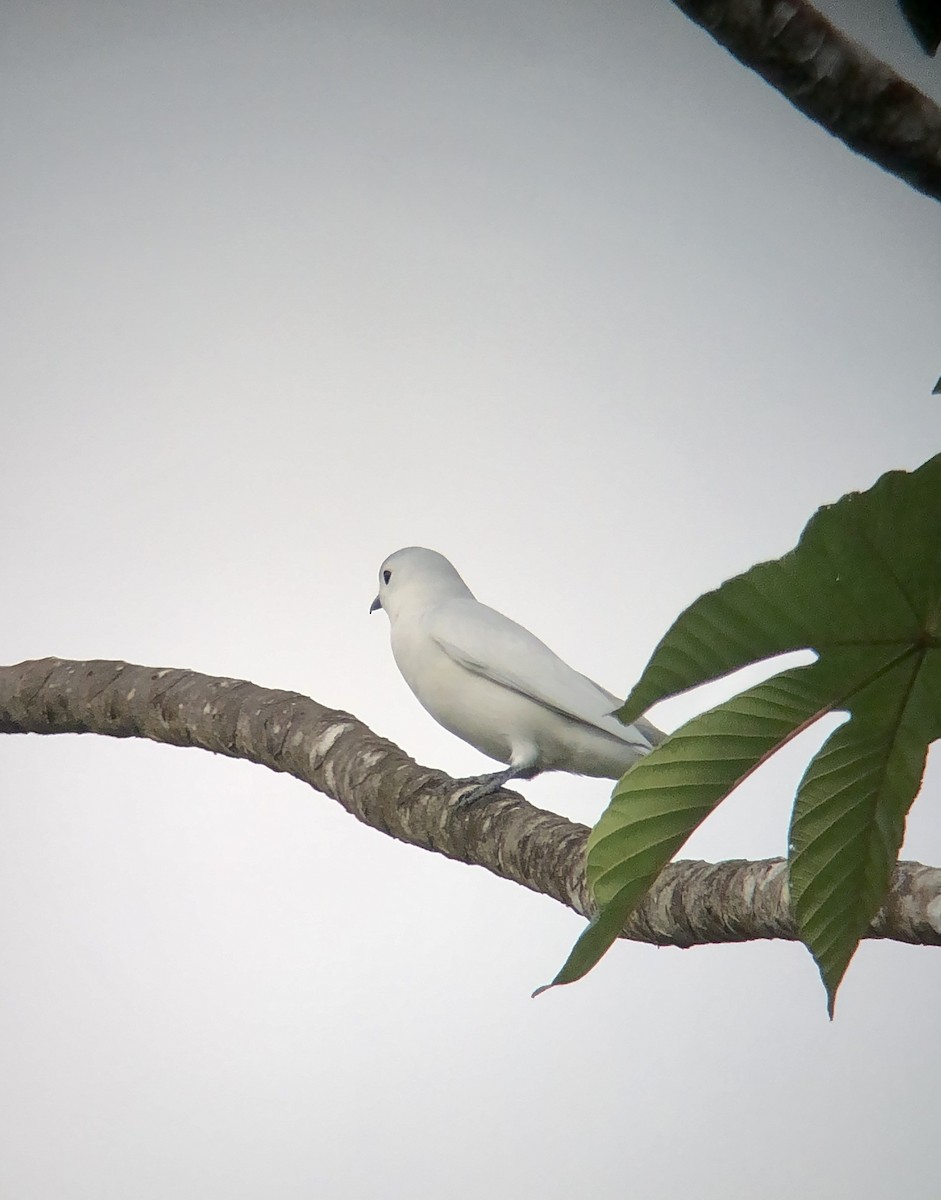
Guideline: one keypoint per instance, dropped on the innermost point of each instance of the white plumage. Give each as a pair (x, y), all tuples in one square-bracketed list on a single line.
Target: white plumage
[(494, 684)]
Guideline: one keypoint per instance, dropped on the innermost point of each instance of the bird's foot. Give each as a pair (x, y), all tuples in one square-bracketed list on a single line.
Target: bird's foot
[(487, 785)]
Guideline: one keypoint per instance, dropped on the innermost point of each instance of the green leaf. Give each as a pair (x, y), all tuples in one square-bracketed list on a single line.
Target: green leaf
[(867, 570), (849, 817), (862, 589), (601, 932), (924, 18), (658, 803)]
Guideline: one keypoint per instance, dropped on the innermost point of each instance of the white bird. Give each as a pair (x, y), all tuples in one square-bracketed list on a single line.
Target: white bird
[(494, 684)]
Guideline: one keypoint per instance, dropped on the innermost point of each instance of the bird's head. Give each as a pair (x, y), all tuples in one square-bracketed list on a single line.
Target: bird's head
[(415, 578)]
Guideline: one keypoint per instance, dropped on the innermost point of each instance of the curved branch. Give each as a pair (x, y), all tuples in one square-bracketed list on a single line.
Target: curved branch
[(692, 903), (832, 80)]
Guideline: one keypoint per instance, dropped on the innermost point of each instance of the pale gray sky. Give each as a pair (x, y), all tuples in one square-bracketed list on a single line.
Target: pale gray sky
[(561, 291)]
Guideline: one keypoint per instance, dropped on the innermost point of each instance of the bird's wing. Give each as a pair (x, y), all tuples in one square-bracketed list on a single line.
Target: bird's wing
[(482, 640)]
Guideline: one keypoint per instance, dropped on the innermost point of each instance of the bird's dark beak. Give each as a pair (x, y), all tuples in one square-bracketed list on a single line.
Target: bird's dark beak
[(377, 603)]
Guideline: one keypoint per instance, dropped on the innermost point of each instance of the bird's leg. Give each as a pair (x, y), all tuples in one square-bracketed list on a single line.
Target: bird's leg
[(486, 785)]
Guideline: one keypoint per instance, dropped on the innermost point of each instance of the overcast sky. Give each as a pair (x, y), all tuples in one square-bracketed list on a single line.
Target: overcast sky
[(562, 291)]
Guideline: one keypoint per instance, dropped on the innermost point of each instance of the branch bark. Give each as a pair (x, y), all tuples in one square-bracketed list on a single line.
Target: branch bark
[(692, 903), (832, 80)]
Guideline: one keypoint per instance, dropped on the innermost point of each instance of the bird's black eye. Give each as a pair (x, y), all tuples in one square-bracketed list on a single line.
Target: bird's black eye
[(386, 576)]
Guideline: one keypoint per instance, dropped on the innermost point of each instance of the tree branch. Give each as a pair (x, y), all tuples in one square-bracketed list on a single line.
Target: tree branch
[(692, 903), (832, 80)]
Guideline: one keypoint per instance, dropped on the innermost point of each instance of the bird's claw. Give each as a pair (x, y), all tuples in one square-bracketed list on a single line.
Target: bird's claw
[(475, 794), (485, 785)]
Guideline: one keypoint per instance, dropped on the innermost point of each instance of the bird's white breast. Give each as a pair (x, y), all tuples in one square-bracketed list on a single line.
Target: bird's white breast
[(468, 705)]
